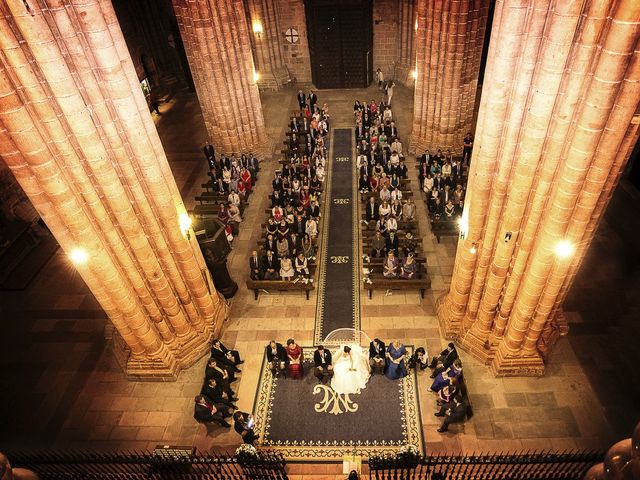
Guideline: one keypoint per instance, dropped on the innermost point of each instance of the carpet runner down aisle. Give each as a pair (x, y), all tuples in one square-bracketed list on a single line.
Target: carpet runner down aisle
[(338, 287)]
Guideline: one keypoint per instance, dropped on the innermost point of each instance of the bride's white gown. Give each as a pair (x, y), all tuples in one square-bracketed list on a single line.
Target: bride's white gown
[(344, 379)]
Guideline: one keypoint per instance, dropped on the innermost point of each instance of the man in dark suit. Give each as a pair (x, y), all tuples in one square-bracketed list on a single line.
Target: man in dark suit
[(453, 412), (255, 266), (243, 424), (360, 131), (445, 194), (295, 125), (443, 361), (323, 365), (205, 411), (373, 210), (214, 392), (277, 358), (271, 266), (210, 155), (302, 100), (225, 162), (229, 358), (377, 354), (222, 376), (391, 243), (313, 99)]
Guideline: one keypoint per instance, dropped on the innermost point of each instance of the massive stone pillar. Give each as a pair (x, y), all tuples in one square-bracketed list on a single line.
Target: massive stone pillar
[(264, 23), (77, 134), (556, 124), (406, 66), (216, 38), (449, 44)]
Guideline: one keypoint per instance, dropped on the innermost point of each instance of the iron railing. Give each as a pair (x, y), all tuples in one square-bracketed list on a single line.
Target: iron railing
[(136, 465), (568, 465)]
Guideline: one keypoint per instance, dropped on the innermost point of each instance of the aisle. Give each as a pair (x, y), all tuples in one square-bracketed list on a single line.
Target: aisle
[(338, 304)]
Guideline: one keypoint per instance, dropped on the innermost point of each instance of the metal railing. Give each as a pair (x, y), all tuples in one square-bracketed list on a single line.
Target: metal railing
[(513, 466), (81, 465)]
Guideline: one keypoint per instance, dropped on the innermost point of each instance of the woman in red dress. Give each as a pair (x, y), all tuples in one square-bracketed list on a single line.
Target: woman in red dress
[(245, 178), (294, 352)]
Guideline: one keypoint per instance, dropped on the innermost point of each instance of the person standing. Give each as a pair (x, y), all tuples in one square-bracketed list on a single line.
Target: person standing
[(313, 99), (153, 101), (390, 86), (466, 150), (302, 100), (210, 155), (379, 78)]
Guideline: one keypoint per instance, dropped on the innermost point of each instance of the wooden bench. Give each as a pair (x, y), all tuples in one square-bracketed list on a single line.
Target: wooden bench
[(444, 228), (379, 282), (279, 285)]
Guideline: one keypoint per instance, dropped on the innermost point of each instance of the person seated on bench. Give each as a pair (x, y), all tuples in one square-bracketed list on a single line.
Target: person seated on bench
[(377, 245), (409, 210), (363, 184), (282, 246), (234, 217), (444, 360), (391, 242), (385, 193), (390, 266), (234, 198), (224, 376), (372, 210), (271, 266), (418, 359), (385, 209), (391, 223), (449, 210), (286, 269), (205, 411), (277, 358), (229, 358), (409, 269), (409, 244), (255, 266), (223, 214), (377, 355), (302, 269), (453, 412), (444, 378), (447, 393), (311, 229), (215, 393), (323, 366), (396, 209)]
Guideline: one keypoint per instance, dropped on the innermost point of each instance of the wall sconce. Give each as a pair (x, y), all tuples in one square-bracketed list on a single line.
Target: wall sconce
[(564, 249), (257, 28), (416, 25), (256, 76), (78, 256), (414, 74), (474, 248), (185, 222)]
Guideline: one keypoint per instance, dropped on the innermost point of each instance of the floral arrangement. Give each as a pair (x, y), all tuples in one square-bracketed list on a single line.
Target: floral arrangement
[(246, 452), (409, 450)]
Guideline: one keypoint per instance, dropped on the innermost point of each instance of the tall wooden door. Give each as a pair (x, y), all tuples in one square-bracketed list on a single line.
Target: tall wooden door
[(340, 42)]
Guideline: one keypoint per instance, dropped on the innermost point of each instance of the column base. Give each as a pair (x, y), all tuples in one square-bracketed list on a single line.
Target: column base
[(517, 364), (147, 369), (450, 325), (274, 80), (481, 350)]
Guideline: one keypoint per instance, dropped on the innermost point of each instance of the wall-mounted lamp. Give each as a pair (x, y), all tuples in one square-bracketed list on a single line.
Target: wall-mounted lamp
[(256, 76), (185, 222), (416, 25), (78, 256), (257, 28), (564, 249), (474, 248), (414, 74)]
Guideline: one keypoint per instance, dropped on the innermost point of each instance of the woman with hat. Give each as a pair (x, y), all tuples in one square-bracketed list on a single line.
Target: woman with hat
[(409, 268)]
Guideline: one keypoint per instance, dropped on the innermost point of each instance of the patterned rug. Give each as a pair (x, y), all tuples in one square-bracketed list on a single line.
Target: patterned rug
[(306, 421)]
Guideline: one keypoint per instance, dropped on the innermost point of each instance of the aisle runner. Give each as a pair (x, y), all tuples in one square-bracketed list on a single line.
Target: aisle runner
[(338, 289)]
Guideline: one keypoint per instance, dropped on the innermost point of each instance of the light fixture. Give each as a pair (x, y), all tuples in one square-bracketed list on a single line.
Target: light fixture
[(185, 222), (414, 74), (564, 249), (78, 256), (256, 76), (474, 248), (416, 25), (257, 28)]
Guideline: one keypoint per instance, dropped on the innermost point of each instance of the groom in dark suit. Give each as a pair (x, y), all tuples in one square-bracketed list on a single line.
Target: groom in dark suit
[(377, 353), (323, 365)]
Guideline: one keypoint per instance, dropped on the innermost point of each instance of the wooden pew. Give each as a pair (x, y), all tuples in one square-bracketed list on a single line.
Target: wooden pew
[(379, 282), (279, 285)]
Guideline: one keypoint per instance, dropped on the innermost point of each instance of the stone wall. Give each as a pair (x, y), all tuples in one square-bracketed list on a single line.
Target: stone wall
[(386, 49), (296, 55)]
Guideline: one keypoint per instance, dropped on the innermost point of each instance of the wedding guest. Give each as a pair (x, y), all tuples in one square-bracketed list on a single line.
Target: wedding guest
[(377, 245), (418, 359), (396, 354), (295, 356), (213, 391), (409, 269), (409, 210), (221, 375), (409, 244), (205, 411), (377, 355), (243, 424), (255, 266), (323, 366), (444, 378), (390, 266), (308, 247), (271, 266), (301, 266), (229, 358), (444, 360), (277, 358), (453, 412), (286, 269), (448, 392)]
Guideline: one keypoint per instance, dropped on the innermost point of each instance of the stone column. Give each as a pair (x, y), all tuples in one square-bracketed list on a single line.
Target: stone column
[(555, 128), (216, 38), (77, 134), (266, 38), (449, 43), (406, 66)]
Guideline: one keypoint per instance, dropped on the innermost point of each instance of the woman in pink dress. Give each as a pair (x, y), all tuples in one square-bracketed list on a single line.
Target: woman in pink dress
[(294, 353)]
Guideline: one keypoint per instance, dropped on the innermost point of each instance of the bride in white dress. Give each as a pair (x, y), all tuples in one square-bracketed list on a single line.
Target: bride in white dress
[(350, 369)]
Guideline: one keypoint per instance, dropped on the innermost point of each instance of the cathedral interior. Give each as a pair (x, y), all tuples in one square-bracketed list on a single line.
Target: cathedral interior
[(110, 295)]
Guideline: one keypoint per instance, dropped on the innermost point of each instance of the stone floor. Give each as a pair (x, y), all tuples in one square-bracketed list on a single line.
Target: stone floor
[(63, 387)]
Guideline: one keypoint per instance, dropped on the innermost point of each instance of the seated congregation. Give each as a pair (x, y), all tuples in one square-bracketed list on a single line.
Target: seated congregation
[(287, 251), (390, 230)]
